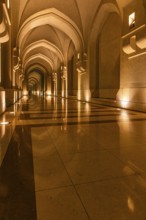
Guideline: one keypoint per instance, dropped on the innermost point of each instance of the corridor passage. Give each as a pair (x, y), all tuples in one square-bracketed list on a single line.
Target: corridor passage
[(62, 159)]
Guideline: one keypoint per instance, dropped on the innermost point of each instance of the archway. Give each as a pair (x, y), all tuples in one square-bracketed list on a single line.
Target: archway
[(108, 55), (106, 30)]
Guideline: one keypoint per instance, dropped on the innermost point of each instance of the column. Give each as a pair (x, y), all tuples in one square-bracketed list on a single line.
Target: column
[(48, 85), (64, 82), (83, 77), (0, 66)]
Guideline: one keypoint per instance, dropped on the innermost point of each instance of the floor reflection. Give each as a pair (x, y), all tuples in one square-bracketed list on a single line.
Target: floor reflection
[(73, 160), (17, 197)]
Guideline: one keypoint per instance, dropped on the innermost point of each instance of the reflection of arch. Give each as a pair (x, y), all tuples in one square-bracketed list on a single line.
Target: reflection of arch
[(99, 22), (34, 78), (56, 19), (39, 56), (45, 44)]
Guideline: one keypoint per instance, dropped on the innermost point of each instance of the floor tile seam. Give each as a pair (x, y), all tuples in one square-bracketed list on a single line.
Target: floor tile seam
[(89, 117), (71, 112), (69, 117), (107, 179), (82, 122), (74, 186), (98, 182), (54, 188), (84, 153), (81, 153), (124, 162), (76, 114), (76, 119)]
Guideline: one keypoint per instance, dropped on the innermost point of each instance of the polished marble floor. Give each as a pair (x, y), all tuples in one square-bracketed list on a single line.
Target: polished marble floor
[(62, 159)]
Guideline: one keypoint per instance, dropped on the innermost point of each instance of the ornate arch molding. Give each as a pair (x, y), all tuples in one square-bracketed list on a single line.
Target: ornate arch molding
[(44, 44), (39, 56), (56, 19)]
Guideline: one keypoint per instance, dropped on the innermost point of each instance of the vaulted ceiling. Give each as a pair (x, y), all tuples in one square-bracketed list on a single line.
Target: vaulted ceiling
[(47, 34)]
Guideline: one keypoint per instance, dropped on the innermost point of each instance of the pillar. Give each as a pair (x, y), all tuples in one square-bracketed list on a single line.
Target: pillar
[(64, 82)]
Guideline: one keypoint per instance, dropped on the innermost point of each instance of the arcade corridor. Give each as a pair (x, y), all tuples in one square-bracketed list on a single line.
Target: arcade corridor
[(72, 109), (68, 159)]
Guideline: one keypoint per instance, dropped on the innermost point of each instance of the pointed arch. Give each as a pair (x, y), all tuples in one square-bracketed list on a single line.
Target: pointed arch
[(45, 44), (56, 19), (39, 56)]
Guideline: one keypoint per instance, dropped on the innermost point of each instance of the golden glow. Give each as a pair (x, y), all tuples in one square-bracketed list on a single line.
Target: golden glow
[(137, 55), (24, 98), (11, 113), (124, 115), (87, 96), (8, 4), (79, 111), (131, 205), (15, 96), (6, 14), (64, 86), (4, 123), (48, 98), (87, 107), (2, 131), (2, 94), (0, 63), (79, 95), (25, 92), (48, 93), (134, 31), (78, 56), (62, 92), (132, 20), (125, 102)]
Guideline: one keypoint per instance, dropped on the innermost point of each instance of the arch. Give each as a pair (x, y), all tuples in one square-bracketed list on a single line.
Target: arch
[(56, 19), (38, 66), (108, 68), (39, 56), (99, 21), (35, 75), (44, 44), (35, 78)]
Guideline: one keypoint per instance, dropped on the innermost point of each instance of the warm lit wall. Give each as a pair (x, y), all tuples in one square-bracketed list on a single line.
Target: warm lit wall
[(108, 68), (2, 102), (6, 65), (132, 93)]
